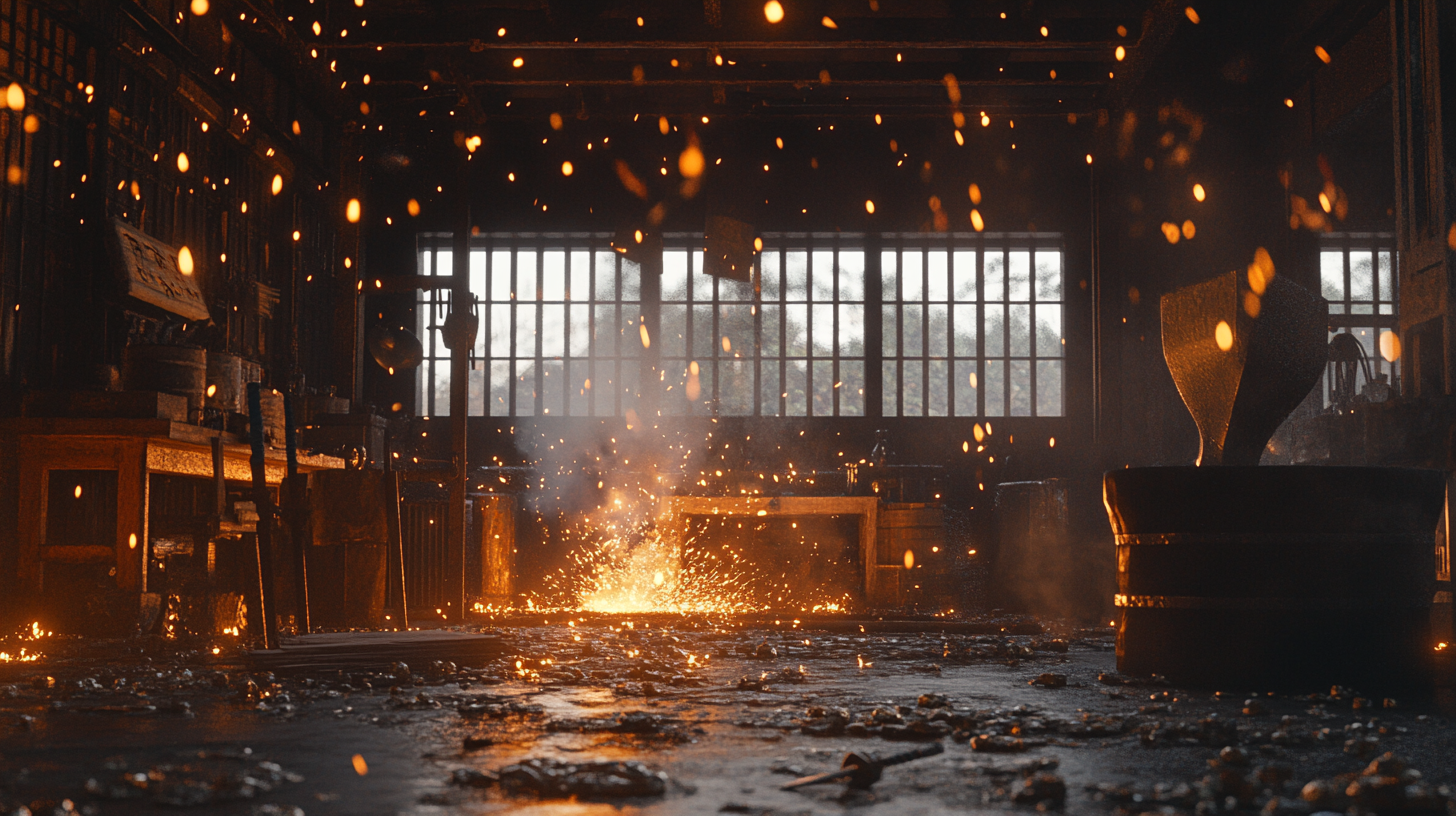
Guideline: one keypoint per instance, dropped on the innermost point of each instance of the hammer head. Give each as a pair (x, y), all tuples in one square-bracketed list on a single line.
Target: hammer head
[(867, 769), (1242, 360)]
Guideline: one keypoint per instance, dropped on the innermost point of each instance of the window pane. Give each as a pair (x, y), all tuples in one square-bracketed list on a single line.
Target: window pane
[(912, 334), (824, 387), (1019, 274), (675, 275), (1386, 293), (702, 282), (1049, 388), (1019, 384), (995, 276), (1048, 275), (735, 387), (823, 329), (500, 330), (477, 273), (796, 275), (890, 377), (768, 389), (736, 323), (732, 290), (604, 332), (580, 276), (889, 264), (673, 328), (995, 330), (938, 387), (938, 330), (1020, 320), (500, 275), (525, 330), (851, 275), (994, 381), (580, 330), (770, 274), (966, 326), (603, 387), (577, 398), (851, 389), (937, 262), (630, 275), (964, 274), (553, 388), (1332, 275), (1362, 275), (851, 330), (890, 328), (525, 387), (965, 392), (795, 385), (912, 278), (770, 336), (475, 393), (444, 262), (1048, 330), (797, 317), (704, 343), (822, 275), (500, 385), (606, 275), (553, 275), (526, 275), (553, 330), (912, 389)]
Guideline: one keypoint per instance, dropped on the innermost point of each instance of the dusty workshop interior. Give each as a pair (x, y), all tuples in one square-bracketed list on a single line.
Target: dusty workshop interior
[(727, 406)]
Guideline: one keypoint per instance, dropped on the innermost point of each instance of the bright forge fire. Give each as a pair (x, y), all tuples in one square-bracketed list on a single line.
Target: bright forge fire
[(24, 654), (630, 565)]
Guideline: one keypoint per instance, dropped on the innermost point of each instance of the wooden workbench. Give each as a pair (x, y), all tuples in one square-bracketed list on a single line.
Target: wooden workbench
[(135, 449)]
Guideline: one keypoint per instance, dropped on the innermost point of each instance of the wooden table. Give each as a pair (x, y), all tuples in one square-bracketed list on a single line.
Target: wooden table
[(881, 583), (135, 449)]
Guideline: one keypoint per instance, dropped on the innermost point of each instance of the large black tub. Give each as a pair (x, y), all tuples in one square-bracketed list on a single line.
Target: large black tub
[(1276, 578)]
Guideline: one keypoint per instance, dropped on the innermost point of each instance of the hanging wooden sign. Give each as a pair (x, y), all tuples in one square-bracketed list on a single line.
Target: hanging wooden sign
[(151, 274)]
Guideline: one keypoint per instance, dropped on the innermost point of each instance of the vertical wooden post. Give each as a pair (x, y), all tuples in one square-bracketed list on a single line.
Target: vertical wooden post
[(461, 343), (295, 510), (264, 505)]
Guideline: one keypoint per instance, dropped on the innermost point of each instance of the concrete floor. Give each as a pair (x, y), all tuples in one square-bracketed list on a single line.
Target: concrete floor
[(116, 710)]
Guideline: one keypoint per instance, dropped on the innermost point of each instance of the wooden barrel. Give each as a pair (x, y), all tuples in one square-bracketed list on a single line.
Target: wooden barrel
[(1276, 577), (225, 382), (169, 369), (921, 579)]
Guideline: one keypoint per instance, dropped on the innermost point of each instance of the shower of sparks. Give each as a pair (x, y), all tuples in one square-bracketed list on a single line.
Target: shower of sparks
[(626, 564)]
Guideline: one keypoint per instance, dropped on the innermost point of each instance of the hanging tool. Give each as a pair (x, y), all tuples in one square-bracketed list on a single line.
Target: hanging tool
[(296, 494), (863, 770)]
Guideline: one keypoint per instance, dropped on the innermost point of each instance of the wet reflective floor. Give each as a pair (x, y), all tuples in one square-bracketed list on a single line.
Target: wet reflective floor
[(719, 716)]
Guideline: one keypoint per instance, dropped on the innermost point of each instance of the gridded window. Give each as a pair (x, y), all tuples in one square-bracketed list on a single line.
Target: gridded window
[(1358, 279), (813, 327), (559, 326), (972, 326)]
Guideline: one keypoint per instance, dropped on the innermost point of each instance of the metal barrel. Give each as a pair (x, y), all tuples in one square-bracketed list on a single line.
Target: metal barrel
[(225, 379), (1276, 577), (169, 369)]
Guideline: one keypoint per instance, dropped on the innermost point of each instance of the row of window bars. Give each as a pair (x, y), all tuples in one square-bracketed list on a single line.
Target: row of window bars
[(822, 280), (1357, 277)]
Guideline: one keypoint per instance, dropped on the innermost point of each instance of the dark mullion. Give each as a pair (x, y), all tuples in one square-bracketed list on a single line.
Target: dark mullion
[(540, 361), (950, 326), (980, 362), (925, 330), (757, 273), (783, 387), (834, 341), (566, 304), (485, 322), (899, 308), (719, 357), (808, 326), (1006, 331), (430, 324), (1031, 349), (592, 352), (515, 309)]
